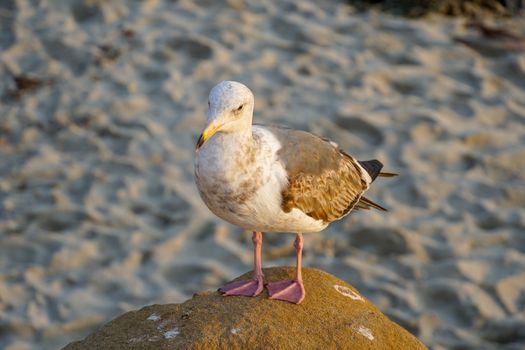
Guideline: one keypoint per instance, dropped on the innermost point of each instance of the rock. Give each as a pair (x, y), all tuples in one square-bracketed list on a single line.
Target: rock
[(333, 315)]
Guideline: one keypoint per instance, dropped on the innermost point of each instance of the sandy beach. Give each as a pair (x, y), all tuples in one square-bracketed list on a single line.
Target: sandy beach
[(101, 103)]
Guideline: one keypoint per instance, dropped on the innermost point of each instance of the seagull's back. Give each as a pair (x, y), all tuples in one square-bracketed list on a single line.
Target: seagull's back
[(323, 182)]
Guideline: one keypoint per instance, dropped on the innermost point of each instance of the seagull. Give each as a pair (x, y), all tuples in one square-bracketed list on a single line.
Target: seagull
[(274, 179)]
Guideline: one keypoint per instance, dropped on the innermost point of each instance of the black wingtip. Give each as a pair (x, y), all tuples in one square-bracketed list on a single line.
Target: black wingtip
[(373, 167)]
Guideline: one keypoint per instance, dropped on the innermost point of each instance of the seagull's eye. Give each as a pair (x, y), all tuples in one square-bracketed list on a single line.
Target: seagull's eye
[(239, 108)]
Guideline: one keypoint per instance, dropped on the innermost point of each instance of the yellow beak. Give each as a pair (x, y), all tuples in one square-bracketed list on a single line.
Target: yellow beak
[(211, 129)]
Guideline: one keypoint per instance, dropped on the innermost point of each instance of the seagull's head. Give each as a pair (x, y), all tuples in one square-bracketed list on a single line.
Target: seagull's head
[(230, 109)]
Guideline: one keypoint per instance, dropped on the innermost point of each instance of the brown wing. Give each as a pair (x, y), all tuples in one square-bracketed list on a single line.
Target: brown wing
[(324, 182)]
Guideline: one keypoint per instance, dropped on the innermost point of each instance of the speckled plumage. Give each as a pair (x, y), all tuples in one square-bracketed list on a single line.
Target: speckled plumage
[(241, 180)]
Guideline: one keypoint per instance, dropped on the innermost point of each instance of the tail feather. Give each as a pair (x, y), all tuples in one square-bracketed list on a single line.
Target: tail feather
[(373, 168), (365, 203), (385, 174)]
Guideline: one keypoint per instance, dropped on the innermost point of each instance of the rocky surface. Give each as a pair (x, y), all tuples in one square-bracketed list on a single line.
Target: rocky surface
[(333, 315)]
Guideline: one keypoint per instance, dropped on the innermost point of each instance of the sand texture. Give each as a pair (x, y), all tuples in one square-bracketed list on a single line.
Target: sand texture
[(335, 316), (102, 102)]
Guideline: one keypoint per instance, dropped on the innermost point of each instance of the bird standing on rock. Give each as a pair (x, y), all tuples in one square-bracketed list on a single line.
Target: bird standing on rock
[(274, 179)]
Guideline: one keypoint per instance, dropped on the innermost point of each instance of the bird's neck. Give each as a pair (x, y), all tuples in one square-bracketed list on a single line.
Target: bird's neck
[(236, 141), (226, 149), (224, 154)]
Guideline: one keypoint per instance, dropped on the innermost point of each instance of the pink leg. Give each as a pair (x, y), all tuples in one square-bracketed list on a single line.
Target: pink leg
[(291, 290), (254, 286)]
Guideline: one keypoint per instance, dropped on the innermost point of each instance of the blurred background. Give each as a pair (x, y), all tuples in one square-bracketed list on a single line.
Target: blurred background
[(101, 103)]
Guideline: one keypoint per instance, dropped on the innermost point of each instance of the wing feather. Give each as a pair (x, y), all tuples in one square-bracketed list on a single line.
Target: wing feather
[(323, 181)]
